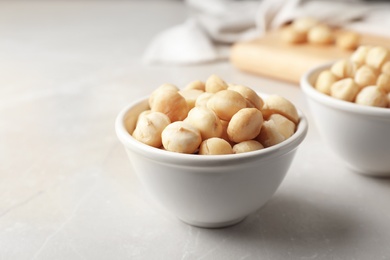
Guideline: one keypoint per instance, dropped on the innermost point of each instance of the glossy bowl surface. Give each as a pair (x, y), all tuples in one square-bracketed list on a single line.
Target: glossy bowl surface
[(207, 191), (359, 134)]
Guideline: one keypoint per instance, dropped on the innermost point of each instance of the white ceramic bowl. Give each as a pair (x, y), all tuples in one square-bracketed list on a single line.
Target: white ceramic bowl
[(359, 134), (207, 190)]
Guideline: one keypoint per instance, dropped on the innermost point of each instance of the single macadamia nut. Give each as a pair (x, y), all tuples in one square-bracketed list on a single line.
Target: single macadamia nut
[(325, 81), (206, 121), (386, 68), (359, 55), (383, 82), (377, 56), (162, 88), (372, 96), (284, 126), (197, 84), (344, 68), (149, 128), (202, 99), (345, 89), (191, 95), (276, 104), (348, 40), (181, 137), (269, 134), (171, 103), (247, 146), (320, 34), (215, 146), (245, 125), (365, 76), (226, 103), (290, 35), (215, 84), (251, 97)]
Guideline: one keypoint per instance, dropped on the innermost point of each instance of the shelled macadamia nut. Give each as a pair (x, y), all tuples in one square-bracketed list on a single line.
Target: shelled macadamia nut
[(214, 84), (291, 35), (247, 146), (171, 103), (377, 56), (348, 40), (365, 76), (304, 24), (345, 89), (149, 128), (226, 103), (269, 134), (344, 68), (276, 104), (324, 81), (320, 34), (202, 99), (386, 68), (245, 125), (215, 146), (196, 84), (284, 126), (372, 96), (162, 88), (251, 97), (359, 55), (206, 121), (383, 82), (181, 137)]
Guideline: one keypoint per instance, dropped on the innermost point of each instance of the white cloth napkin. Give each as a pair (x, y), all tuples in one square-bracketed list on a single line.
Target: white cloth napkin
[(215, 24)]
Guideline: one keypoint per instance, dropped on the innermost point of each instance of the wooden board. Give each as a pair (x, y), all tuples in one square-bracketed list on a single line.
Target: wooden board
[(270, 56)]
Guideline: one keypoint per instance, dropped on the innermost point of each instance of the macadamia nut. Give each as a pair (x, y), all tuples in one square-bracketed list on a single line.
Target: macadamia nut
[(284, 126), (215, 84), (191, 95), (181, 137), (359, 55), (348, 40), (290, 35), (320, 34), (386, 68), (251, 97), (276, 104), (377, 56), (245, 125), (372, 96), (206, 121), (226, 103), (197, 84), (171, 103), (383, 82), (304, 24), (162, 89), (215, 146), (344, 68), (365, 76), (269, 134), (324, 81), (345, 89), (247, 146)]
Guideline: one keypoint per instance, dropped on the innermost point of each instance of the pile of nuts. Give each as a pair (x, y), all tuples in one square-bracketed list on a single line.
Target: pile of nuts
[(363, 78), (214, 117), (310, 30)]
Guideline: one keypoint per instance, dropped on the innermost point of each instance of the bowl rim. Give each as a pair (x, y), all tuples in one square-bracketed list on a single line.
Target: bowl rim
[(205, 160), (306, 83)]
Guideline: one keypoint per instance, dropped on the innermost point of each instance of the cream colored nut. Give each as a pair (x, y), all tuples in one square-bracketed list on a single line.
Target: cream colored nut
[(359, 55), (162, 88), (144, 113), (203, 98), (320, 34), (226, 103), (304, 24), (284, 126), (344, 68), (206, 121), (377, 56), (197, 84), (215, 146), (345, 89), (149, 128), (372, 96), (290, 35), (269, 134), (224, 134), (386, 68), (365, 76), (251, 97), (245, 125), (191, 95), (383, 82), (275, 104), (325, 81), (215, 84), (171, 103), (247, 146), (181, 137), (348, 40)]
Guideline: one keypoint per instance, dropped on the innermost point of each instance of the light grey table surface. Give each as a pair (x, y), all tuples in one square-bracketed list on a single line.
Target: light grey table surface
[(67, 189)]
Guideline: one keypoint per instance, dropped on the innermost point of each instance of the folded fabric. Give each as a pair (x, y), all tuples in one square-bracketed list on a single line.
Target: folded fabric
[(215, 24)]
